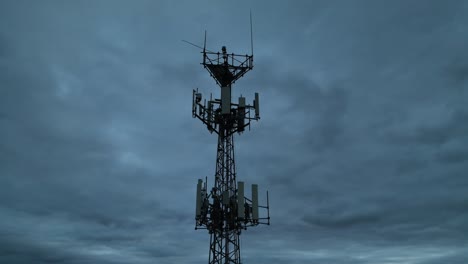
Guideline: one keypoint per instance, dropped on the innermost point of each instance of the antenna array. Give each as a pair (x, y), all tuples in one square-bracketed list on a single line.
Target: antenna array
[(224, 210)]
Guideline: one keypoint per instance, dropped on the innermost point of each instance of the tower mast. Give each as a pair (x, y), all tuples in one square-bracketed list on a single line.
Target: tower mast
[(224, 210)]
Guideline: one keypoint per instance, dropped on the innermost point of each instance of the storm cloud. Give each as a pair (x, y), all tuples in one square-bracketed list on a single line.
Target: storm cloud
[(362, 141)]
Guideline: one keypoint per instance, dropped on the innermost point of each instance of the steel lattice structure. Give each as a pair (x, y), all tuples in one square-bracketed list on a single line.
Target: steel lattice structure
[(224, 211)]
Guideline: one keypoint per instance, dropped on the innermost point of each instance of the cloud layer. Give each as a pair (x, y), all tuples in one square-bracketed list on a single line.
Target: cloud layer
[(362, 143)]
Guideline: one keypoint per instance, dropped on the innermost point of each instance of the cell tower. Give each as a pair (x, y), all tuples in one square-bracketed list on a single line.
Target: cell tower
[(224, 210)]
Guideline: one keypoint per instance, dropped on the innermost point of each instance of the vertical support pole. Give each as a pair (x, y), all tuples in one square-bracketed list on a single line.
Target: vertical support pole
[(268, 208), (194, 104)]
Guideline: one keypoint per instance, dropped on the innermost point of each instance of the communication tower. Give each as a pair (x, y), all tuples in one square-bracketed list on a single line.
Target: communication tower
[(224, 210)]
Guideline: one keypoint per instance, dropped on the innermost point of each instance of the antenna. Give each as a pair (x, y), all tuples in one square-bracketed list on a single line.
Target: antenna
[(192, 44), (195, 45), (198, 199), (255, 202), (251, 33), (240, 200), (204, 43)]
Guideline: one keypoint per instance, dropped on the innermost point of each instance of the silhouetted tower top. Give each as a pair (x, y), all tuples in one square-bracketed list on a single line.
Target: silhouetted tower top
[(224, 210), (226, 68)]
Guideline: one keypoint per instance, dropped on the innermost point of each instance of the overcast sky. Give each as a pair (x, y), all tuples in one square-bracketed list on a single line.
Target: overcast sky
[(362, 142)]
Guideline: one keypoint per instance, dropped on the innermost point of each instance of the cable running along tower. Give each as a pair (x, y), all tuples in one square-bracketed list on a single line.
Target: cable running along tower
[(224, 210)]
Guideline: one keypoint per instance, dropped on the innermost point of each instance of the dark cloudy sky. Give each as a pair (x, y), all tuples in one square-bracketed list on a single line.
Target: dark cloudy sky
[(363, 141)]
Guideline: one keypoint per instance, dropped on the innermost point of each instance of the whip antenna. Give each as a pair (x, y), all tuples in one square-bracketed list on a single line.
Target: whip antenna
[(251, 33), (204, 43)]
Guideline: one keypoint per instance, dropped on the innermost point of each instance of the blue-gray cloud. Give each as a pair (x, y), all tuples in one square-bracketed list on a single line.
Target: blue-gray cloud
[(362, 141)]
